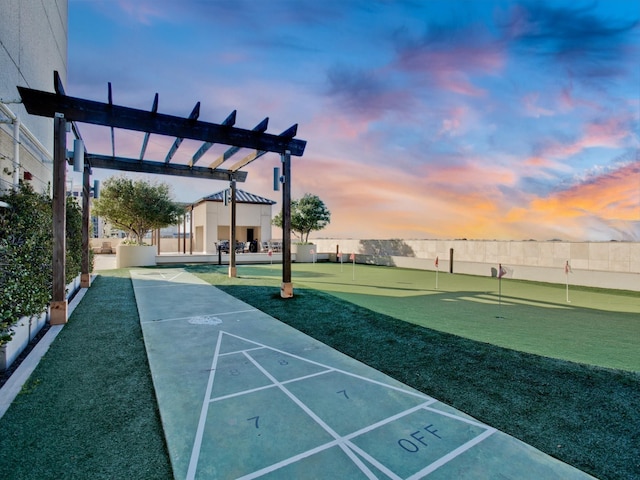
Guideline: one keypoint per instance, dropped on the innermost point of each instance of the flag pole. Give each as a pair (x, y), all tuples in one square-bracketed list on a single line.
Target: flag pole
[(500, 274), (353, 269), (567, 270), (437, 270)]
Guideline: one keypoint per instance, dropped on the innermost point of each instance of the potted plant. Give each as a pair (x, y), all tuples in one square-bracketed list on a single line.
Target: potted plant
[(137, 207)]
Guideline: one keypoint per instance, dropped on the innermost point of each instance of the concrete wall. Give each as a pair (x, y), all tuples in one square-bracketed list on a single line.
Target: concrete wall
[(597, 264), (33, 35)]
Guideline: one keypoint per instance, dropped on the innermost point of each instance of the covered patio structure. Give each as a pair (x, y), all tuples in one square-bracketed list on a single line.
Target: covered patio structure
[(68, 112)]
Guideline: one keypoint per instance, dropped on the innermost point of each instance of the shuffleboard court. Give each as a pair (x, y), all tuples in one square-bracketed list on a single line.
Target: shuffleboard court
[(242, 395)]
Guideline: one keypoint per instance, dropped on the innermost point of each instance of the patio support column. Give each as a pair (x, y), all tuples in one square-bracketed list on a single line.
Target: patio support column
[(286, 289), (233, 271), (58, 305), (184, 234), (191, 230), (85, 274)]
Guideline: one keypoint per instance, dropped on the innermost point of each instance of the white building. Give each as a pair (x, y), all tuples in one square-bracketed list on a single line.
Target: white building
[(212, 220), (33, 43)]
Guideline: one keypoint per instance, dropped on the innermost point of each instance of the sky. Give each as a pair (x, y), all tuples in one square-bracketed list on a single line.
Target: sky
[(424, 119)]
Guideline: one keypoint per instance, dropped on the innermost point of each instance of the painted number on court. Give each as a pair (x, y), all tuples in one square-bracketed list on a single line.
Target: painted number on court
[(418, 439), (256, 420), (344, 392)]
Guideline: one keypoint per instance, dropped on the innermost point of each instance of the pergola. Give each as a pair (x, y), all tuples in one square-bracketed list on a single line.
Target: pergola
[(66, 110)]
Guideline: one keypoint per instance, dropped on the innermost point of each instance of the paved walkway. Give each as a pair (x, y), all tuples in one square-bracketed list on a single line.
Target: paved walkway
[(242, 395)]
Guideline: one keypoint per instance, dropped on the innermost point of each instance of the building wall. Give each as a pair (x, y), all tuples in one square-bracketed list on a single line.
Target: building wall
[(211, 222), (33, 38), (596, 264)]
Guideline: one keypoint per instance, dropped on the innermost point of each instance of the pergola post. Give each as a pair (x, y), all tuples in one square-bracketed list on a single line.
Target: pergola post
[(286, 289), (191, 230), (233, 271), (58, 306), (85, 274), (184, 234)]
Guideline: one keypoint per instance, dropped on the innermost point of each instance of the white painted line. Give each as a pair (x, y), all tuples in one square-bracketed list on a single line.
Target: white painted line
[(386, 385), (457, 417), (387, 420), (197, 444), (308, 376), (241, 351), (176, 319), (317, 419), (288, 461), (246, 392), (451, 455), (239, 394), (374, 462), (169, 285)]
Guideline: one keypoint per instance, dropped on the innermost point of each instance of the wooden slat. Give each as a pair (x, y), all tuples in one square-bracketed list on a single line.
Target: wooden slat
[(46, 104), (113, 140), (260, 128), (145, 141), (195, 113), (162, 168), (230, 121), (289, 132)]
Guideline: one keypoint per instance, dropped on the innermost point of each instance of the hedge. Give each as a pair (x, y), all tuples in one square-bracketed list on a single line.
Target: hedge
[(26, 254)]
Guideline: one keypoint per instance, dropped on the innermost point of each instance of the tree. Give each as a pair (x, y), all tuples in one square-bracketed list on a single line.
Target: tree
[(136, 207), (308, 214)]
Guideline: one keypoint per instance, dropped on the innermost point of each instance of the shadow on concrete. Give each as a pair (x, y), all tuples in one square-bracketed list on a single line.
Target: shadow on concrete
[(381, 252)]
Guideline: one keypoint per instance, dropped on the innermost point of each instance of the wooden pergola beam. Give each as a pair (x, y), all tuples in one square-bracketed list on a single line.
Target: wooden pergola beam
[(46, 104), (162, 168), (145, 141), (195, 113), (230, 121), (231, 151), (288, 133), (113, 139)]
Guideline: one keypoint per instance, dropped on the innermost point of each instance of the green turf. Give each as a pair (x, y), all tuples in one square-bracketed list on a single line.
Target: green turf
[(584, 415), (89, 410), (598, 327)]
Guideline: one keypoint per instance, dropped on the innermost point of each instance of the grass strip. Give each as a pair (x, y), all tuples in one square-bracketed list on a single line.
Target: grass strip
[(586, 416), (89, 409)]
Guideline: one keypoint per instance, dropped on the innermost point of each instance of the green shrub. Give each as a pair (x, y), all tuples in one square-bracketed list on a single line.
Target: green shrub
[(26, 254)]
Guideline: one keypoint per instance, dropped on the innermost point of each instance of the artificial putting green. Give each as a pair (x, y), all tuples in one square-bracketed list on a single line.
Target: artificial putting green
[(597, 327), (584, 415)]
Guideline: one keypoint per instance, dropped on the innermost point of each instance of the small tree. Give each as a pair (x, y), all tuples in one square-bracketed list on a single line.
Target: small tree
[(136, 207), (308, 214)]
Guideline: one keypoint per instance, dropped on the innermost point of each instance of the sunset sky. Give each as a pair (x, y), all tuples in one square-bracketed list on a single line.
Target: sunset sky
[(478, 119)]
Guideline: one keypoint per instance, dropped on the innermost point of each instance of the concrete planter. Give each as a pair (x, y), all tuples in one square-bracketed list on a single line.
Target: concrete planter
[(135, 256), (26, 329), (303, 253), (23, 332)]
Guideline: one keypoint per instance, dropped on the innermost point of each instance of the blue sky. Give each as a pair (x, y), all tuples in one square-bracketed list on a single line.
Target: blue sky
[(424, 119)]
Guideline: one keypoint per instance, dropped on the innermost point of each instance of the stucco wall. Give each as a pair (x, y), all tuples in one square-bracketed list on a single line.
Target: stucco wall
[(33, 36), (211, 218), (598, 264)]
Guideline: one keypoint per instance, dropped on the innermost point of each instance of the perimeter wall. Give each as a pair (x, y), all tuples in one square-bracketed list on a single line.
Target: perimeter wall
[(595, 264)]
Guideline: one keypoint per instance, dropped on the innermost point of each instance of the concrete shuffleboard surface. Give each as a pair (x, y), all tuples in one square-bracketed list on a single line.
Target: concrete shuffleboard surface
[(242, 395)]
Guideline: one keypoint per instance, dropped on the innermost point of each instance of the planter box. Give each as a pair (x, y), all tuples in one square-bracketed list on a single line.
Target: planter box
[(26, 329), (303, 253), (23, 332), (135, 256)]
